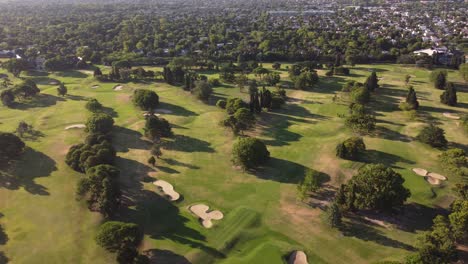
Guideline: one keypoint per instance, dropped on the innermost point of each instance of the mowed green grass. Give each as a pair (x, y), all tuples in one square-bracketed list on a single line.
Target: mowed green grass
[(263, 219)]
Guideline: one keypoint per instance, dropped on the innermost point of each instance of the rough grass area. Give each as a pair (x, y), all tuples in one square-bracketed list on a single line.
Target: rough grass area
[(264, 221)]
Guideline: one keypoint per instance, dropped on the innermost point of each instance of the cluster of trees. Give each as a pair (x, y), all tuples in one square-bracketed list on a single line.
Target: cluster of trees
[(122, 72), (439, 245), (157, 128), (454, 161), (303, 75), (249, 153), (24, 90), (360, 119), (440, 80)]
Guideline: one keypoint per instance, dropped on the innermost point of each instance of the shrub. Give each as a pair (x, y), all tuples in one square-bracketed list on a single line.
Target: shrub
[(221, 104), (93, 105), (11, 147), (145, 99), (7, 97), (99, 123), (341, 71), (411, 99), (351, 148), (120, 237), (312, 181), (84, 156), (361, 122), (244, 119), (156, 127), (360, 95), (454, 161), (249, 153), (233, 104), (433, 136), (449, 96), (202, 90)]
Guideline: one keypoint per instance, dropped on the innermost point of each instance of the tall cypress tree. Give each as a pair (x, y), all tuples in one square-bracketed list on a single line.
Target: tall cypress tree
[(449, 96), (440, 81), (372, 82), (411, 98)]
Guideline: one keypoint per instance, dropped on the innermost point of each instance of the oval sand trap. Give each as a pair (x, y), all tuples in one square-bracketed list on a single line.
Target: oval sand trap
[(451, 116), (432, 181), (75, 126), (201, 210), (118, 88), (146, 114), (95, 86), (167, 189), (298, 257), (437, 176), (420, 172)]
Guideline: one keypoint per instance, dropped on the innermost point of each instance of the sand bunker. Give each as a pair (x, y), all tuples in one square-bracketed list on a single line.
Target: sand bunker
[(451, 116), (118, 88), (431, 177), (163, 111), (420, 172), (54, 83), (298, 257), (95, 86), (167, 189), (145, 114), (201, 210), (75, 126)]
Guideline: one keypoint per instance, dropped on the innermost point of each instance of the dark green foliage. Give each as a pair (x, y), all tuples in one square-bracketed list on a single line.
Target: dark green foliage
[(15, 66), (439, 78), (202, 90), (372, 82), (156, 127), (84, 156), (244, 119), (26, 89), (276, 66), (375, 187), (432, 135), (93, 105), (361, 121), (249, 153), (221, 103), (156, 150), (233, 104), (145, 99), (119, 237), (312, 181), (341, 71), (7, 97), (11, 147), (333, 215), (459, 220), (97, 72), (272, 78), (306, 80), (152, 161), (101, 189), (99, 123), (411, 99), (351, 148), (62, 90), (360, 95), (455, 161), (449, 96)]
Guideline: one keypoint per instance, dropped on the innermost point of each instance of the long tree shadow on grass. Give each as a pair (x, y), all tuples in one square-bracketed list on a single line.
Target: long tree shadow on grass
[(155, 215), (389, 160), (40, 100), (176, 110), (280, 170), (174, 162), (157, 256), (357, 228), (125, 139), (33, 164), (3, 240), (187, 144), (383, 132), (72, 73)]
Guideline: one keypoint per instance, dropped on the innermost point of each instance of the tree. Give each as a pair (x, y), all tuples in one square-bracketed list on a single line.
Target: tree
[(233, 104), (463, 69), (244, 119), (459, 220), (145, 99), (119, 237), (93, 105), (276, 66), (272, 78), (433, 136), (97, 72), (249, 153), (449, 96), (156, 150), (95, 152), (156, 127), (440, 79), (305, 80), (15, 66), (411, 99), (375, 187), (311, 183), (152, 161), (62, 89), (99, 123), (360, 121), (407, 79), (26, 89), (351, 148), (241, 81), (260, 71), (333, 215), (101, 189), (221, 103), (372, 82), (360, 95), (11, 147), (23, 128), (202, 90), (7, 97)]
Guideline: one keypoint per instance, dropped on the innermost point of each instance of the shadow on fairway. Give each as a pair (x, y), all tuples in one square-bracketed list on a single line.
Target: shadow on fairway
[(383, 132), (3, 241), (40, 100), (389, 160), (72, 74), (125, 139), (176, 110), (155, 215), (33, 164), (157, 256), (187, 144), (357, 228)]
